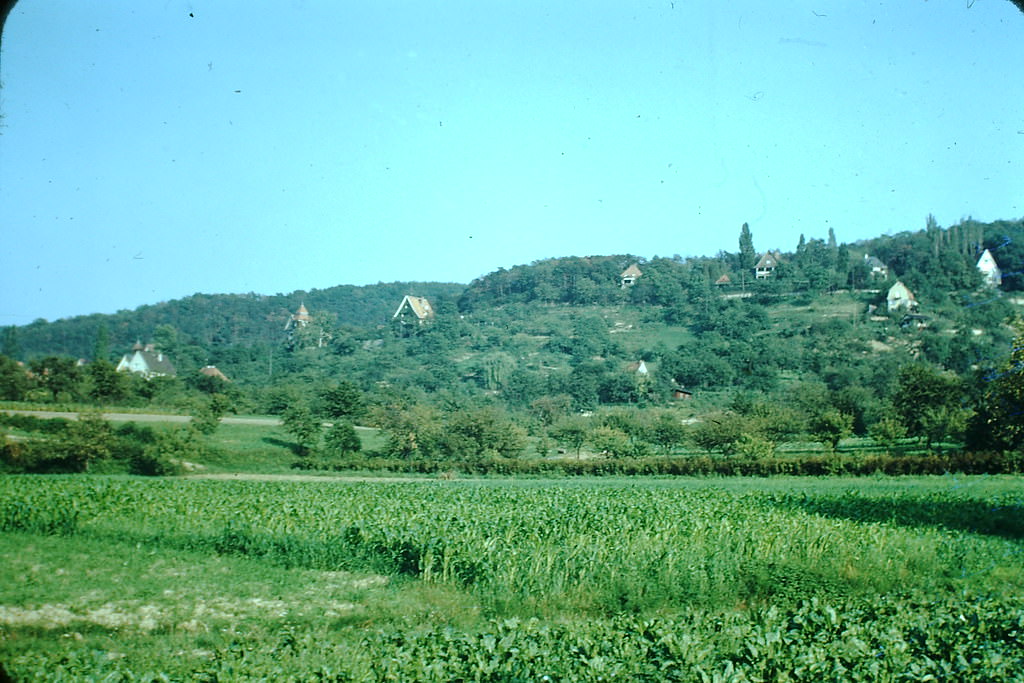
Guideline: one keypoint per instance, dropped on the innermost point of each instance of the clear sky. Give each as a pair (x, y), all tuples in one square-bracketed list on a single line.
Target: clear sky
[(151, 150)]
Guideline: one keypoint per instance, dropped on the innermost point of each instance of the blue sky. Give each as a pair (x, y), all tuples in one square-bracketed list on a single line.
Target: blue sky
[(151, 150)]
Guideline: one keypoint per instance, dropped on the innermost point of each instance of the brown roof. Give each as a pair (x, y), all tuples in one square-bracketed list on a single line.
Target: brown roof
[(212, 371), (299, 318), (418, 305), (632, 271), (770, 259)]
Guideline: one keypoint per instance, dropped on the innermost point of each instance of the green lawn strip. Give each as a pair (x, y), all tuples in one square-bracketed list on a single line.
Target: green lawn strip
[(160, 608), (263, 449)]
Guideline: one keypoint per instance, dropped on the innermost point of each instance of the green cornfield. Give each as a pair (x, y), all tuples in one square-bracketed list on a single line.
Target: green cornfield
[(690, 580)]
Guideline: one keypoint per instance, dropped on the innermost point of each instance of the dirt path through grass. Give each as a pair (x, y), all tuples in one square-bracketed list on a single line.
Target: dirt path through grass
[(146, 417)]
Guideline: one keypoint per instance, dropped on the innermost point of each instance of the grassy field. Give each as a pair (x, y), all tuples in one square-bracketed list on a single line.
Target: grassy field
[(117, 578)]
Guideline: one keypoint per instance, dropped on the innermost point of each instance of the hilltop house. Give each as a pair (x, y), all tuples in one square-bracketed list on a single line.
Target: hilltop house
[(301, 329), (629, 276), (990, 269), (300, 318), (900, 298), (146, 361), (767, 264), (414, 308), (876, 268)]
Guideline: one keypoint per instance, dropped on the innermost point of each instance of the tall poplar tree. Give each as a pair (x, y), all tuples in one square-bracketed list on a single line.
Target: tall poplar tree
[(748, 257)]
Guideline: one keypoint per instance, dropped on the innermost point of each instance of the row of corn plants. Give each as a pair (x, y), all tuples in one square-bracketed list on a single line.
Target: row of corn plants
[(603, 549), (547, 555)]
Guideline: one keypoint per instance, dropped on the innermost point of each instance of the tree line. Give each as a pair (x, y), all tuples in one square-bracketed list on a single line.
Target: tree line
[(503, 369)]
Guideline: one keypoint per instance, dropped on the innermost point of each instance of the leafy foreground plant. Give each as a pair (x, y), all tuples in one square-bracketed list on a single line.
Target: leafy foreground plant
[(205, 580), (882, 640)]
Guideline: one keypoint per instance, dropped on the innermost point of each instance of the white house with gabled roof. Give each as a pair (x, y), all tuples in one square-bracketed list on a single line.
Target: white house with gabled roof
[(900, 298), (990, 269)]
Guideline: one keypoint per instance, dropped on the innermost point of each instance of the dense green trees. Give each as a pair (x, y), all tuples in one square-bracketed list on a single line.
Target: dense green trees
[(196, 328), (58, 375), (14, 381), (532, 346), (999, 421), (303, 426), (106, 385), (928, 403), (341, 440), (570, 433), (460, 431), (342, 400), (206, 414)]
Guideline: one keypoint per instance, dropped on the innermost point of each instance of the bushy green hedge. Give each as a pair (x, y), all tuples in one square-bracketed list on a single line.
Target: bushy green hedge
[(92, 444), (30, 423), (811, 465)]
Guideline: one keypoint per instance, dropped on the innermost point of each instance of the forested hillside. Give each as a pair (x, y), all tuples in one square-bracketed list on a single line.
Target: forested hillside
[(807, 351), (216, 321)]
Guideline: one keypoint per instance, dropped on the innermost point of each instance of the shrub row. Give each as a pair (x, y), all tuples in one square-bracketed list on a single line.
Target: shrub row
[(30, 423), (129, 448), (810, 465)]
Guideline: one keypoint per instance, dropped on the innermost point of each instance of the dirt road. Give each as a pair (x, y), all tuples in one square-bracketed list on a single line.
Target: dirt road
[(147, 417)]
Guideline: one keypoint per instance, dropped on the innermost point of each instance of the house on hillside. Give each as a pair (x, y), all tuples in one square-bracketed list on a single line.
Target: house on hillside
[(681, 394), (876, 269), (212, 371), (629, 276), (146, 361), (300, 318), (302, 331), (990, 269), (767, 264), (414, 309), (638, 368), (915, 320), (900, 298), (723, 281)]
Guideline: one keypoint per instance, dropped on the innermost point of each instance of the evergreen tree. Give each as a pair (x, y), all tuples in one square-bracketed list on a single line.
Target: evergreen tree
[(748, 257)]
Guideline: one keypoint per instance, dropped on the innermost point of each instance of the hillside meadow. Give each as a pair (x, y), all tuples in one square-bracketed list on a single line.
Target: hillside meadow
[(724, 579)]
